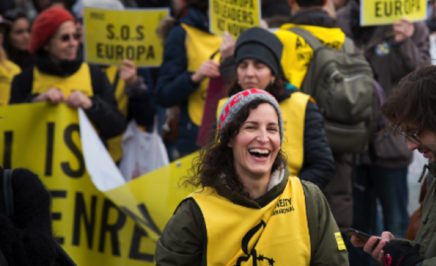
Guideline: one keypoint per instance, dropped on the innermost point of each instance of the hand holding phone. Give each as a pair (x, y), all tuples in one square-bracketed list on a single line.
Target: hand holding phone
[(361, 236)]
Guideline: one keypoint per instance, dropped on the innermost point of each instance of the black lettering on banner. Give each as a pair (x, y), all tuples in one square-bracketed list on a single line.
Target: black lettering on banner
[(111, 229), (88, 218), (49, 149), (398, 8), (146, 217), (125, 32), (140, 33), (388, 8), (216, 7), (134, 252), (120, 52), (7, 152), (221, 23), (378, 9), (66, 168), (57, 216), (110, 31)]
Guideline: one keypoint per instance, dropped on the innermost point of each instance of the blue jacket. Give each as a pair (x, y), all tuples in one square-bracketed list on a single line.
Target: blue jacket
[(174, 84)]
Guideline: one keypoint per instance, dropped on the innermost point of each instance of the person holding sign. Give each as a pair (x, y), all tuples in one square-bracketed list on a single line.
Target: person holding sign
[(188, 65), (59, 78), (249, 209), (257, 58)]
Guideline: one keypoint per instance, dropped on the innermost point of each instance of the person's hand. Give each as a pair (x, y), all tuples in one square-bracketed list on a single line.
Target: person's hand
[(128, 72), (403, 29), (374, 245), (78, 99), (53, 95), (227, 47), (209, 69)]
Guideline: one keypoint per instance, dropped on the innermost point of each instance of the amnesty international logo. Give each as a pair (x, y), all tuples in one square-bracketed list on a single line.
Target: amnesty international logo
[(283, 206)]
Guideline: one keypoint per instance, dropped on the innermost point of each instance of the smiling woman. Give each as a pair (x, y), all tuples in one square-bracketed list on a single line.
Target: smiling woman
[(249, 208), (59, 77)]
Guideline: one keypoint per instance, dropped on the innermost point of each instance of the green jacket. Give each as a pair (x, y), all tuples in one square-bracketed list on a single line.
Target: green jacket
[(183, 241), (426, 236)]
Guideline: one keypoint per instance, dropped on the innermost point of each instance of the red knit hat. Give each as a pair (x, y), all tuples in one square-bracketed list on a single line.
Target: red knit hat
[(46, 25)]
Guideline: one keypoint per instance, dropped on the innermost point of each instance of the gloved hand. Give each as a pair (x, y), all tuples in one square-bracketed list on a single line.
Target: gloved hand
[(400, 253)]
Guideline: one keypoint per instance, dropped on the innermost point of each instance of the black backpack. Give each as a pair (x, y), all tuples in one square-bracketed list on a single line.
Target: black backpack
[(341, 82)]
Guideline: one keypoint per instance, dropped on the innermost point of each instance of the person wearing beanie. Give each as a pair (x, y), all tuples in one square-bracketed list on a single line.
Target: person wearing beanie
[(248, 207), (58, 77), (256, 59)]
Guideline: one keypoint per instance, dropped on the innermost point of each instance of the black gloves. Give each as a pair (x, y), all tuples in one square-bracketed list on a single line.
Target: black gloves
[(401, 253)]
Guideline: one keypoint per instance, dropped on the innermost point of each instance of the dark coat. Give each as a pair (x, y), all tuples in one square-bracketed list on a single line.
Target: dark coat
[(26, 239), (103, 114), (174, 85)]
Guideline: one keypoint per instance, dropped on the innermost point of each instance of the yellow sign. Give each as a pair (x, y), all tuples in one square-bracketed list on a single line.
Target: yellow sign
[(233, 16), (114, 35), (381, 12), (94, 227)]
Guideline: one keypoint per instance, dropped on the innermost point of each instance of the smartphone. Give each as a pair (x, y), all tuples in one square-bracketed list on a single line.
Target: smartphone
[(362, 236)]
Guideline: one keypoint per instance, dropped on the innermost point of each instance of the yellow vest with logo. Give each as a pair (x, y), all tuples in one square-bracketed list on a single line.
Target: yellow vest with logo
[(276, 234), (7, 72), (294, 113), (200, 46), (297, 53), (78, 81), (114, 145)]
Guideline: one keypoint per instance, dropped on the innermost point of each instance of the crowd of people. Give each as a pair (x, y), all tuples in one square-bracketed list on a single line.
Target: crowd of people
[(266, 163)]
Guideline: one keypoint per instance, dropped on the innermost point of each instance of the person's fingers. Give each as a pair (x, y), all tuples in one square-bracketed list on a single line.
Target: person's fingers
[(355, 241)]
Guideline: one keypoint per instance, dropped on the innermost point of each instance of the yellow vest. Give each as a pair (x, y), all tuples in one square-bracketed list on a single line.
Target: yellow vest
[(200, 46), (237, 235), (294, 113), (297, 52), (7, 72), (78, 81)]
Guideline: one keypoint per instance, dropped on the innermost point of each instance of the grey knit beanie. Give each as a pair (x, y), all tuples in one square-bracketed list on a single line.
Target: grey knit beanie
[(235, 103)]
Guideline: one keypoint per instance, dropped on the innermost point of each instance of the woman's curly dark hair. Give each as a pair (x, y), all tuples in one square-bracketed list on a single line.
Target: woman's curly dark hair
[(215, 165)]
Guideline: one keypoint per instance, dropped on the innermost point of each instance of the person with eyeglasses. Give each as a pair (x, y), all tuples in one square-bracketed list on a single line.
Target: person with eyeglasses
[(411, 110), (17, 39), (59, 77)]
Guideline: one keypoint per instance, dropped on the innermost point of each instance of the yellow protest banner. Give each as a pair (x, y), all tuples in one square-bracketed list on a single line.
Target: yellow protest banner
[(382, 12), (113, 35), (93, 226), (233, 16)]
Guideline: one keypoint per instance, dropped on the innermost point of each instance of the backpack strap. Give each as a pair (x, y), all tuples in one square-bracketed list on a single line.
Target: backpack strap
[(8, 192), (308, 37)]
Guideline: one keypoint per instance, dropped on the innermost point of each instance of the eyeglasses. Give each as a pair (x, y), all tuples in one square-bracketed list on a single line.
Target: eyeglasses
[(411, 136), (67, 37)]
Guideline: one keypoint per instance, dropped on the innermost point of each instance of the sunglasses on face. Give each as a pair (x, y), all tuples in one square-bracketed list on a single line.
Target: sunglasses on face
[(67, 37)]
